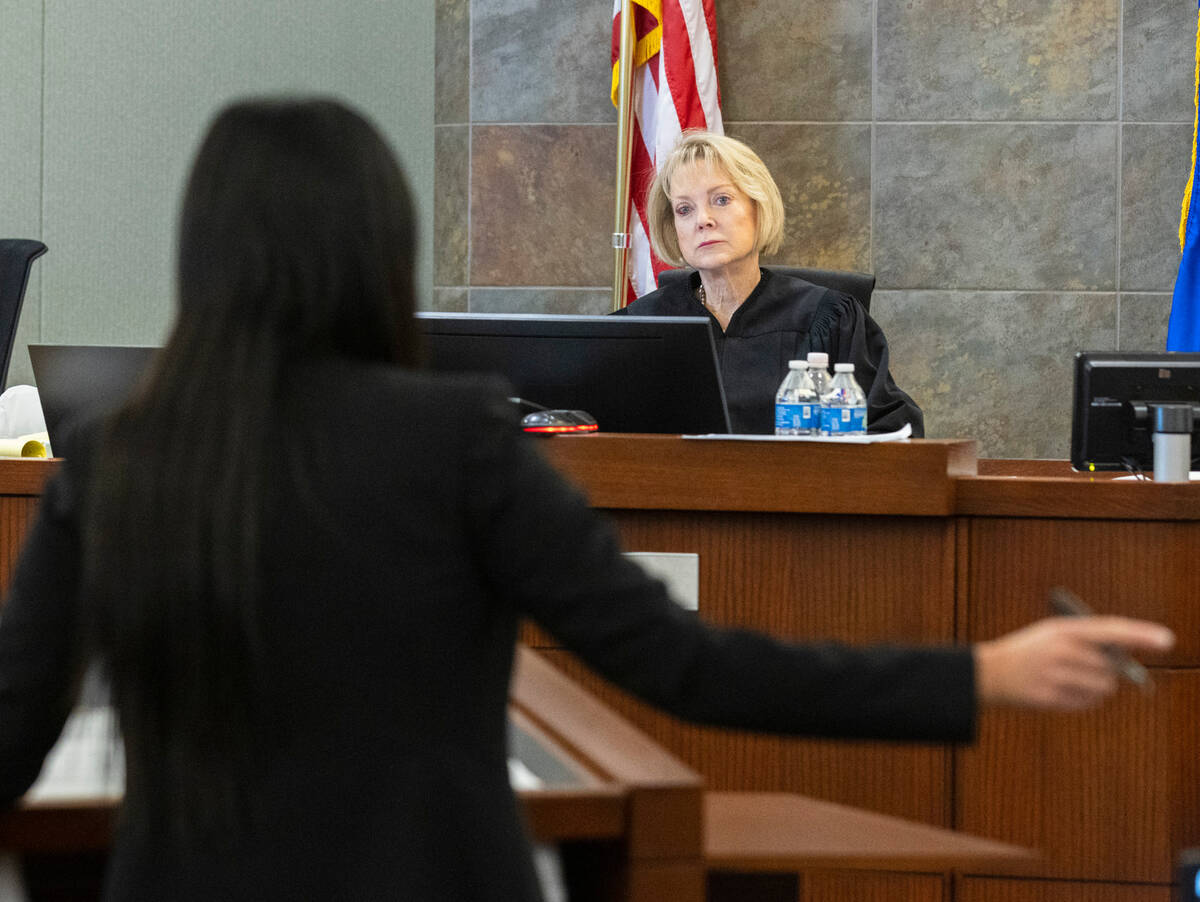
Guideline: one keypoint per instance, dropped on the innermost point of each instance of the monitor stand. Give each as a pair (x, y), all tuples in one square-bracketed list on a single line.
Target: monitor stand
[(1171, 429)]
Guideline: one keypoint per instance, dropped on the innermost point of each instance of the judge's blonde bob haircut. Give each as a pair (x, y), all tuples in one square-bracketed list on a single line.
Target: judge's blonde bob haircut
[(747, 172)]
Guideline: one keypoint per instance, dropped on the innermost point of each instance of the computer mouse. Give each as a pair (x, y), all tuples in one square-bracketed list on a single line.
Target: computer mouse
[(558, 421)]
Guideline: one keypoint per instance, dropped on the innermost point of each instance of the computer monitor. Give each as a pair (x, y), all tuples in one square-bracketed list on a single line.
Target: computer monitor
[(1105, 432), (632, 373), (83, 380)]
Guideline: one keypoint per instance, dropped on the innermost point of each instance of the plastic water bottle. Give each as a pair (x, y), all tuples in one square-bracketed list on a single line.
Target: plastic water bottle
[(843, 406), (818, 371), (797, 407)]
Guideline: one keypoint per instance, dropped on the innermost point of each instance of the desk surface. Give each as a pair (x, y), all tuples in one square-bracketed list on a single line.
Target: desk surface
[(646, 472), (920, 477), (785, 832)]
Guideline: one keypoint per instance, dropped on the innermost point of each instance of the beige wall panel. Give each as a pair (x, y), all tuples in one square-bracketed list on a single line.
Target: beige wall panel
[(129, 88)]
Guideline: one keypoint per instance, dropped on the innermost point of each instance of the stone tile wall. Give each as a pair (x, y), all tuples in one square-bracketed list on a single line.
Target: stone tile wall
[(1011, 171)]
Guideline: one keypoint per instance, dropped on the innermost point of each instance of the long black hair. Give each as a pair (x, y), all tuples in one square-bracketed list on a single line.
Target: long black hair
[(296, 242)]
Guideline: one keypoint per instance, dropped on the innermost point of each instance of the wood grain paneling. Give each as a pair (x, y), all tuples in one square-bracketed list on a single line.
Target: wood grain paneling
[(1141, 569), (1019, 466), (783, 832), (16, 515), (21, 482), (661, 471), (1109, 794), (902, 780), (841, 886), (983, 889), (26, 475), (1099, 495), (805, 576), (808, 576)]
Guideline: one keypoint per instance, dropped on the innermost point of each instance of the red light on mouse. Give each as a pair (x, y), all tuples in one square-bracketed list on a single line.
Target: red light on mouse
[(578, 427)]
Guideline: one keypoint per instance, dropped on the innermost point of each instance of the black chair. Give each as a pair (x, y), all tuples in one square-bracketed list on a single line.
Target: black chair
[(858, 285), (16, 257)]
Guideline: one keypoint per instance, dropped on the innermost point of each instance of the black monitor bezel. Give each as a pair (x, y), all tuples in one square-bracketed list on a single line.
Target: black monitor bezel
[(676, 389), (1104, 435)]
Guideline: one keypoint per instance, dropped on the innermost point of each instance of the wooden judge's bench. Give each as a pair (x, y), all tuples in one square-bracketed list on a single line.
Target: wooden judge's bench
[(913, 542), (919, 541)]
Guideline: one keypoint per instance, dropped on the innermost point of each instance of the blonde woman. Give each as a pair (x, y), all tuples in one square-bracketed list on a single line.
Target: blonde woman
[(713, 206)]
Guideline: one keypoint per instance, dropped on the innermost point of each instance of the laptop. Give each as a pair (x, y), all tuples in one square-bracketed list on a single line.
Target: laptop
[(83, 380)]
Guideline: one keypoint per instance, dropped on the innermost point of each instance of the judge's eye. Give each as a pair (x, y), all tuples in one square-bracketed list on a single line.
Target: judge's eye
[(683, 210), (722, 200)]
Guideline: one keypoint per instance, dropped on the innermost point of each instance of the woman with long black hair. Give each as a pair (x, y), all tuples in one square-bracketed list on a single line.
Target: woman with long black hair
[(300, 563)]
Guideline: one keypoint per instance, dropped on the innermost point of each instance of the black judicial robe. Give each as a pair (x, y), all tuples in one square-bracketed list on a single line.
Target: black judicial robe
[(783, 319)]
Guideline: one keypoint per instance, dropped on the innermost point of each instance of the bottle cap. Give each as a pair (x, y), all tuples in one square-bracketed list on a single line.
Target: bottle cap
[(843, 367), (797, 364), (818, 358)]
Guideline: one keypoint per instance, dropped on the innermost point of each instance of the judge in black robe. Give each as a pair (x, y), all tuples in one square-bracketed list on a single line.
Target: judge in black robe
[(713, 206), (783, 319)]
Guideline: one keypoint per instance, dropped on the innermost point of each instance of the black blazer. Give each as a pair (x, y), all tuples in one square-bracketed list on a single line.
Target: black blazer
[(416, 529)]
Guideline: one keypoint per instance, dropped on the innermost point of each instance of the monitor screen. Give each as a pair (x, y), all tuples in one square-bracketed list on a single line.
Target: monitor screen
[(83, 380), (1104, 434), (632, 373)]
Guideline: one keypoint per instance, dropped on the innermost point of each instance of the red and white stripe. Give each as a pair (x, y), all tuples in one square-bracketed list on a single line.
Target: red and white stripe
[(676, 48)]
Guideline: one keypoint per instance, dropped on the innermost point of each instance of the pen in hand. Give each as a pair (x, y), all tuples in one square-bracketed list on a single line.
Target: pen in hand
[(1067, 604)]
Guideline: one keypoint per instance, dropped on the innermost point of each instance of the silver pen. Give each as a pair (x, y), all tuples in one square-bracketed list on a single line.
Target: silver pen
[(1067, 604)]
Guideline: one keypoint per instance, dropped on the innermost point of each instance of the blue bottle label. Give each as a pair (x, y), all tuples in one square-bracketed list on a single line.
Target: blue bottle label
[(799, 418), (810, 417), (843, 420), (787, 416)]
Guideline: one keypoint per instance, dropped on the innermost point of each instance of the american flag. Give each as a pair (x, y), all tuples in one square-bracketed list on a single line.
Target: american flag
[(674, 88)]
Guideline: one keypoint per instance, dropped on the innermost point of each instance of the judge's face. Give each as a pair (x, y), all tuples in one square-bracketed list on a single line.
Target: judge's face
[(717, 224)]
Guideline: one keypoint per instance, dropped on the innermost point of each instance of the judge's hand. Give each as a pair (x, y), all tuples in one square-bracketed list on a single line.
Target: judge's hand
[(1061, 663)]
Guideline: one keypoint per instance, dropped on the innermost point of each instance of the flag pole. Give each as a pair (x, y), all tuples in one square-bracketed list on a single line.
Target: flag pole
[(620, 236)]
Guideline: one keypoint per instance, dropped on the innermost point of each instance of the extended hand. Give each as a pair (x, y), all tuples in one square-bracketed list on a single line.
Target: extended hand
[(1061, 663)]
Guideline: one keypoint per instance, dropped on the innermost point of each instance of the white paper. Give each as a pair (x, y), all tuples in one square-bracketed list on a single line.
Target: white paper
[(1193, 476), (36, 444), (20, 411)]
